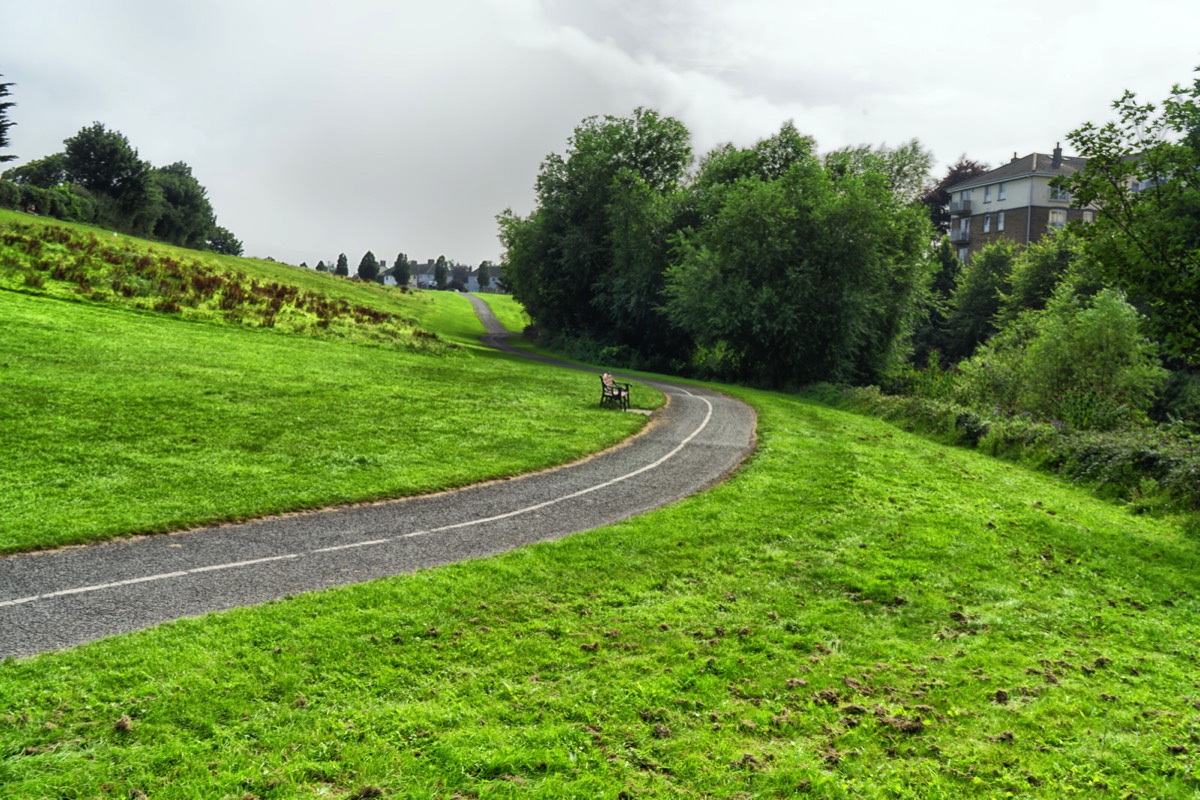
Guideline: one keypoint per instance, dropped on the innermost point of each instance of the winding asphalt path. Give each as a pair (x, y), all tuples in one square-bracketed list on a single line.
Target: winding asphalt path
[(66, 597)]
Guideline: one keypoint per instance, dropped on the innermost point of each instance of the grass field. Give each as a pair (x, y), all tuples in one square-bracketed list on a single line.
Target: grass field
[(117, 419), (857, 613)]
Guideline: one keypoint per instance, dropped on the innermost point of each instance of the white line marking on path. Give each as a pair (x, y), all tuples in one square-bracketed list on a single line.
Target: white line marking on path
[(481, 521)]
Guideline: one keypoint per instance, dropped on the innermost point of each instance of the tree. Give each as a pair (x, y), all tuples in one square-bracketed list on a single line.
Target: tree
[(104, 163), (441, 273), (934, 303), (1036, 273), (186, 217), (937, 199), (977, 296), (368, 267), (401, 270), (222, 241), (343, 266), (567, 261), (906, 167), (485, 274), (5, 124), (321, 266), (1143, 176), (773, 287), (45, 173)]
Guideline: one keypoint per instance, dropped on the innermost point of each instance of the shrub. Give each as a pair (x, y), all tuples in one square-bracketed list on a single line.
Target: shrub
[(10, 195), (1151, 468)]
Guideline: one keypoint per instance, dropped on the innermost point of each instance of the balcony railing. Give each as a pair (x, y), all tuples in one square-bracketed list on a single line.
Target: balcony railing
[(959, 236), (960, 208)]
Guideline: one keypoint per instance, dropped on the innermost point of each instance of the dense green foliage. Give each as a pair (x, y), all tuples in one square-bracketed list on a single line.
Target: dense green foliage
[(185, 216), (368, 267), (589, 262), (771, 286), (917, 621), (746, 269), (441, 273), (1143, 174), (401, 270), (99, 178)]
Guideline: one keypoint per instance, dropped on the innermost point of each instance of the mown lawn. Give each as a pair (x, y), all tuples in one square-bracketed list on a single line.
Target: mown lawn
[(856, 613), (116, 418)]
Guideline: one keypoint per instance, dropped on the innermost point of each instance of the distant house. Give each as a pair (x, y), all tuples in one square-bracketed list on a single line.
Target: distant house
[(1014, 201), (423, 274)]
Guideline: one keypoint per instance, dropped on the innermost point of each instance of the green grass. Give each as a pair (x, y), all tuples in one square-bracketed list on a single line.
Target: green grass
[(856, 613), (510, 313), (118, 419)]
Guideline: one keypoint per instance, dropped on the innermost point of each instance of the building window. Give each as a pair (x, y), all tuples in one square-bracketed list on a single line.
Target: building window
[(962, 254), (1058, 218), (987, 222), (1089, 216), (1000, 194), (1000, 221), (987, 194), (965, 196), (1058, 194)]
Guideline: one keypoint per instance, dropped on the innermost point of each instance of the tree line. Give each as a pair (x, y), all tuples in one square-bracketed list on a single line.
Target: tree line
[(447, 274), (781, 266), (99, 178)]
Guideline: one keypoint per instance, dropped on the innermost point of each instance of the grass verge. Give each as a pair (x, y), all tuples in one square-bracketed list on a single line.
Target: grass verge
[(857, 613), (510, 313)]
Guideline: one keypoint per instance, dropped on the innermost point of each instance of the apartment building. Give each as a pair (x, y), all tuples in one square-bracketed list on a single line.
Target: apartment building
[(1014, 201)]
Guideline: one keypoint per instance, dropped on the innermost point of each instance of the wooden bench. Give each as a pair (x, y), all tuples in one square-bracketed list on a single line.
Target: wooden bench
[(613, 393)]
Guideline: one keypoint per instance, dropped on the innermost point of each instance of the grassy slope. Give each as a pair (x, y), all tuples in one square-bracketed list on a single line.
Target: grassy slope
[(858, 612), (117, 420), (510, 313)]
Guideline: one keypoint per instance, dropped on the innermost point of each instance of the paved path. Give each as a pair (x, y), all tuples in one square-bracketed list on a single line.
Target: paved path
[(66, 597)]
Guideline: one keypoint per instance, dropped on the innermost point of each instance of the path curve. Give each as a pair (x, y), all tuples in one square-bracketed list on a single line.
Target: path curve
[(66, 597)]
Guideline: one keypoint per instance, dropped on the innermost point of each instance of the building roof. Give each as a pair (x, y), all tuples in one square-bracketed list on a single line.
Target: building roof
[(1032, 164)]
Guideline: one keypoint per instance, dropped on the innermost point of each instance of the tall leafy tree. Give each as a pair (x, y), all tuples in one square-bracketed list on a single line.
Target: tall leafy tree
[(906, 167), (567, 261), (368, 267), (343, 266), (186, 217), (5, 123), (934, 303), (222, 241), (441, 273), (977, 298), (1143, 176), (485, 274), (401, 270), (104, 163), (771, 286)]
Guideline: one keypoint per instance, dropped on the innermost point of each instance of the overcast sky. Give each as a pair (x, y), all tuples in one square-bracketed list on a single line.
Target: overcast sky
[(328, 127)]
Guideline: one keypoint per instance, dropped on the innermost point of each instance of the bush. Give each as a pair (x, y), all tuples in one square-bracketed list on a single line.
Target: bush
[(10, 195), (1151, 468)]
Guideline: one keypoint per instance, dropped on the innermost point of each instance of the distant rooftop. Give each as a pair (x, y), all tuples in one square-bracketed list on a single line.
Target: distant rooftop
[(1050, 164)]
